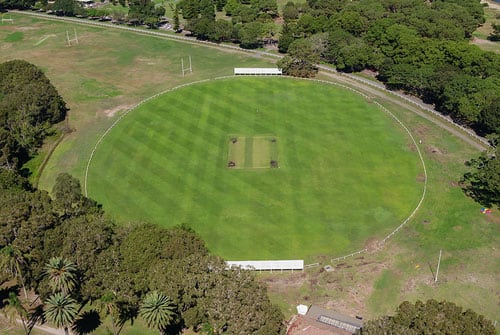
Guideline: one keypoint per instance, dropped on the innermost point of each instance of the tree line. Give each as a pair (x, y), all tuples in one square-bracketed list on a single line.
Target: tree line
[(415, 46)]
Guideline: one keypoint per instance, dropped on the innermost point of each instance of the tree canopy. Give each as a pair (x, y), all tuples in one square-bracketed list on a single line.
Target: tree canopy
[(29, 106), (430, 318), (482, 183)]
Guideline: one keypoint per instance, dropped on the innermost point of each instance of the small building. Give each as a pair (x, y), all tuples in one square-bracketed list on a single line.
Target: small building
[(321, 321)]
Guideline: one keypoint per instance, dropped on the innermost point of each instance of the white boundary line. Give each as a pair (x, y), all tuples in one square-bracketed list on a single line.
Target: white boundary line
[(424, 190)]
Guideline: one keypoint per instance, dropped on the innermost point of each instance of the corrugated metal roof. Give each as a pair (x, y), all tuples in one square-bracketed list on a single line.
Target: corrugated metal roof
[(334, 319)]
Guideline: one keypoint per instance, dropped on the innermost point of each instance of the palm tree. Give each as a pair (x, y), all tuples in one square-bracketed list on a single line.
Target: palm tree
[(62, 274), (14, 308), (11, 259), (108, 305), (61, 310), (157, 310)]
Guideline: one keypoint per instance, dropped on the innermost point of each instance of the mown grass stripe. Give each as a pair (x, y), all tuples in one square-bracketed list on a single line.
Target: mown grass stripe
[(177, 148)]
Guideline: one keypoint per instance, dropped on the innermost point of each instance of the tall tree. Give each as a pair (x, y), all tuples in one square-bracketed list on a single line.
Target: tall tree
[(12, 262), (157, 310), (483, 182), (15, 309), (301, 59), (29, 106), (430, 318), (61, 310), (61, 274)]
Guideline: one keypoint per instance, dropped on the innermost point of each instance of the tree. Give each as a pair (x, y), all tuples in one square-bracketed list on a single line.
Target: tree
[(231, 7), (430, 318), (61, 310), (12, 262), (176, 19), (495, 34), (29, 106), (157, 310), (15, 309), (61, 274), (67, 7), (109, 304), (483, 182), (301, 59), (251, 35), (489, 119), (68, 197)]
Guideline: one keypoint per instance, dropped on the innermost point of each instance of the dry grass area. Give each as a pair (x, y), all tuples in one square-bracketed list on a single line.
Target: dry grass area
[(492, 14), (105, 74)]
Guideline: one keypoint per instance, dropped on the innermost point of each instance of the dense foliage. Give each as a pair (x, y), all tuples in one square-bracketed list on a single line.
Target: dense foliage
[(482, 183), (71, 254), (44, 241), (29, 106), (415, 46), (431, 317)]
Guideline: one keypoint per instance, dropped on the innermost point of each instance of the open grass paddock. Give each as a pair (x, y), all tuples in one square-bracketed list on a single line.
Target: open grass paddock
[(346, 171)]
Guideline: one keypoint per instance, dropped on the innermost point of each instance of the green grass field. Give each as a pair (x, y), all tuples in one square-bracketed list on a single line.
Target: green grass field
[(347, 172), (111, 70)]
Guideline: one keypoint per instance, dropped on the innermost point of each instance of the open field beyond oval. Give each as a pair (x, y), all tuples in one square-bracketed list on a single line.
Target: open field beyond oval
[(347, 171)]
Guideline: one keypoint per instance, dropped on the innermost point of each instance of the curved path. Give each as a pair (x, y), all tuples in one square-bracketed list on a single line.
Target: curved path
[(411, 103)]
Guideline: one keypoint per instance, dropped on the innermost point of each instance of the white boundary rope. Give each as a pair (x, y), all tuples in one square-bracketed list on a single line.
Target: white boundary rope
[(424, 190)]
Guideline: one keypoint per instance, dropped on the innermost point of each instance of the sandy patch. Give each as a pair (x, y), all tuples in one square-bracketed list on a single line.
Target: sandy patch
[(491, 4), (112, 111)]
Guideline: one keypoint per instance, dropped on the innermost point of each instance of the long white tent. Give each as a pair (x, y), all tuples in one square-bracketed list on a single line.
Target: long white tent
[(257, 71), (282, 265)]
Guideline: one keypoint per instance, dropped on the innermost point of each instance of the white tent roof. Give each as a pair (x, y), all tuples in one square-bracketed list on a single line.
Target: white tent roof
[(257, 71), (268, 265)]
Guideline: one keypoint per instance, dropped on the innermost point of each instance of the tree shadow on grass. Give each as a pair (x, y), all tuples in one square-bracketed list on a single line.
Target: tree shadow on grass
[(87, 322)]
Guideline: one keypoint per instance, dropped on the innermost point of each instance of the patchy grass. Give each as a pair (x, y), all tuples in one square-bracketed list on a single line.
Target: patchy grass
[(14, 37), (480, 36), (108, 68)]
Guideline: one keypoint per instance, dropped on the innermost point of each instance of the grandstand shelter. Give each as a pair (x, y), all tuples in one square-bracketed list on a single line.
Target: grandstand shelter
[(281, 265), (257, 71)]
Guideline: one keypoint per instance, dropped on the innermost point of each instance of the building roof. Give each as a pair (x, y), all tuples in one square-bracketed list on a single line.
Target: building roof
[(257, 71), (268, 265), (329, 318)]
